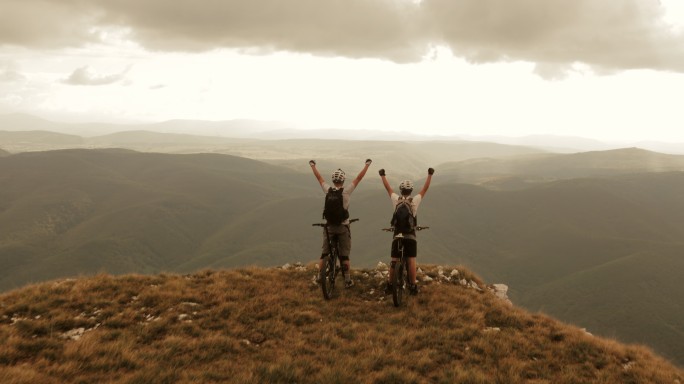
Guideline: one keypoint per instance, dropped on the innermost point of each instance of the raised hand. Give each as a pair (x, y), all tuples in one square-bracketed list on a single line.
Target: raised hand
[(312, 162), (368, 161), (431, 171), (382, 172)]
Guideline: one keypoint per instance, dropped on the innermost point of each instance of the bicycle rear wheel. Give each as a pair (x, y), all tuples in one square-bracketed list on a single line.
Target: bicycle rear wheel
[(327, 277), (400, 278)]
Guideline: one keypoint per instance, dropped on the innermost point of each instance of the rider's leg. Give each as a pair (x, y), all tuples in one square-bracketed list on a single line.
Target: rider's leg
[(344, 244), (411, 250), (412, 270), (345, 271)]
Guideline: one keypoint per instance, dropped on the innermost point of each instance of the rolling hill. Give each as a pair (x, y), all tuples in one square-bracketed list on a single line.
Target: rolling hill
[(521, 171), (272, 326), (138, 212), (576, 249), (19, 141)]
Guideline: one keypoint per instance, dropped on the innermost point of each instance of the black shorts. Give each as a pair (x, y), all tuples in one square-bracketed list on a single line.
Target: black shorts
[(410, 248)]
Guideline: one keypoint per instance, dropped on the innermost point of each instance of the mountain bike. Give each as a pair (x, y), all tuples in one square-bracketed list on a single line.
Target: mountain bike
[(400, 270), (331, 263)]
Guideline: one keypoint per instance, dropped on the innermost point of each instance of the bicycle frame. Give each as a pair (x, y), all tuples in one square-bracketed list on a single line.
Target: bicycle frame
[(331, 263)]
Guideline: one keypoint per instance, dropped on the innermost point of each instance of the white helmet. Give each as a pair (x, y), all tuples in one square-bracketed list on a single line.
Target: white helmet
[(406, 186), (338, 176)]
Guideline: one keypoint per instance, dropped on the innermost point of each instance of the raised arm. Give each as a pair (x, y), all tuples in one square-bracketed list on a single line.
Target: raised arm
[(427, 183), (312, 163), (385, 182), (361, 174)]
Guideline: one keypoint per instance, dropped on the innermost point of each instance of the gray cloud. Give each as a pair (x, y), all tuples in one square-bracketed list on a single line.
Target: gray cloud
[(86, 76), (47, 23), (607, 35)]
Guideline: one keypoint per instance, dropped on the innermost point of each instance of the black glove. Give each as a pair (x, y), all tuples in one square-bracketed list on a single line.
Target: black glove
[(382, 172), (368, 161), (312, 162), (431, 171)]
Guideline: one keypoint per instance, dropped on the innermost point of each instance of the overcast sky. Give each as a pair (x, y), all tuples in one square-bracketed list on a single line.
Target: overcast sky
[(606, 69)]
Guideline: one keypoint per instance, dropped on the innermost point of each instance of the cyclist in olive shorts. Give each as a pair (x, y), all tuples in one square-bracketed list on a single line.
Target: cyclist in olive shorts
[(342, 230)]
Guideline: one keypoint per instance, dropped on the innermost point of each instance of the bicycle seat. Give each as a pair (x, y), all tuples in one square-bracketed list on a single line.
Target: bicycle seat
[(399, 236)]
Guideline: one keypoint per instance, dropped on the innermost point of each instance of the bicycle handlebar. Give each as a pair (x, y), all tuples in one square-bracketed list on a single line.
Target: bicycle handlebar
[(326, 224), (391, 229)]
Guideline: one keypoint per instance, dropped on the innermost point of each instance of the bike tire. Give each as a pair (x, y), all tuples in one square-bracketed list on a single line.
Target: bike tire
[(327, 277), (398, 283)]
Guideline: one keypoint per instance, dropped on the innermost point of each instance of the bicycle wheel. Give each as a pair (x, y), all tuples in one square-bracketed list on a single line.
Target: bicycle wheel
[(400, 275), (327, 277)]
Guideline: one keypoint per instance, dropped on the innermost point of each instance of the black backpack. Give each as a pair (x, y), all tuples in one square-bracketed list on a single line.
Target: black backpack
[(403, 220), (333, 210)]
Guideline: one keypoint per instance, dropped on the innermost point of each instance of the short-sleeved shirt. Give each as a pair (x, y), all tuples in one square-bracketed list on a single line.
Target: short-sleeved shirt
[(346, 191), (415, 202)]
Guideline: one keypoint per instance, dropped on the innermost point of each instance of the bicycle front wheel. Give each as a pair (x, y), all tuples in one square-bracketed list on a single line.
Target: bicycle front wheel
[(327, 277)]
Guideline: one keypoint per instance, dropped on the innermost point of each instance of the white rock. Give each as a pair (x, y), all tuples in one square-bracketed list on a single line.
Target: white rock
[(427, 278), (500, 291), (454, 272), (73, 334), (183, 317), (419, 271), (463, 282), (381, 266), (286, 266)]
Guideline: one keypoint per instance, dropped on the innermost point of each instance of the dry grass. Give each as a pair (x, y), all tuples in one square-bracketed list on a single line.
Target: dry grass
[(272, 326)]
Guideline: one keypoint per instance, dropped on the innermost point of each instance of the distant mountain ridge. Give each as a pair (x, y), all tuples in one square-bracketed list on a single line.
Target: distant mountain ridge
[(272, 130), (397, 156), (272, 326)]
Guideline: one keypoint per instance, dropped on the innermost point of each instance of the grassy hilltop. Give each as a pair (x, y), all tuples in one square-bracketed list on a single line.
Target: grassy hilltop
[(272, 326)]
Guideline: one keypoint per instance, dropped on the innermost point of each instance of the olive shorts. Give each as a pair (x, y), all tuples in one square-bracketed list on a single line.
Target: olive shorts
[(343, 234)]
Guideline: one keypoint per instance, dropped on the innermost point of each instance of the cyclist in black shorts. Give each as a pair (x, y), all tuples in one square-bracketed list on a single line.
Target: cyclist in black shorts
[(409, 241)]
